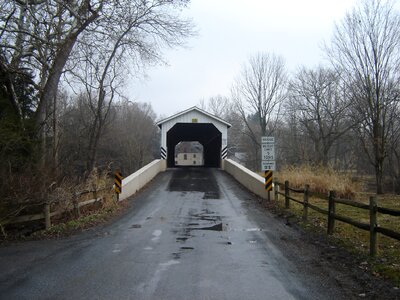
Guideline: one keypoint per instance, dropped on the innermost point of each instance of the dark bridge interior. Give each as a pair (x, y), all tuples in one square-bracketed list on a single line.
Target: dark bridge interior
[(206, 134)]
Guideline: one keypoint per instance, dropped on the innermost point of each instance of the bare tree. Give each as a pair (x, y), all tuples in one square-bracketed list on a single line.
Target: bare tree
[(258, 94), (393, 164), (318, 99), (217, 105), (36, 39), (129, 33), (137, 141), (129, 141), (365, 48), (260, 90)]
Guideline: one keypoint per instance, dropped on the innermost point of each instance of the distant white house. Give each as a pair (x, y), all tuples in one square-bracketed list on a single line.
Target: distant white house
[(189, 154)]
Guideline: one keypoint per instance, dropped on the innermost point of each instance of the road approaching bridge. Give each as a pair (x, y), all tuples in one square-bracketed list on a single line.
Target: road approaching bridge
[(193, 233)]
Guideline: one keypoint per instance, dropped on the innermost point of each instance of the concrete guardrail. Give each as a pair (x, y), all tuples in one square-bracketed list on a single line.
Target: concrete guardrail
[(252, 181), (134, 182)]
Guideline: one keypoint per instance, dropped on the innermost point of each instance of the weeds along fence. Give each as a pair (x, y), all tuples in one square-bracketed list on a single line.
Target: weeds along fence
[(373, 227), (46, 214)]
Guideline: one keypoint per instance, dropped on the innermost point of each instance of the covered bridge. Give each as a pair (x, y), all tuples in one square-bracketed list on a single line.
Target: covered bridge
[(195, 124)]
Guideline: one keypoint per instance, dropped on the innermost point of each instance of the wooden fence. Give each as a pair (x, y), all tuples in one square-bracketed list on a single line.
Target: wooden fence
[(47, 214), (373, 226)]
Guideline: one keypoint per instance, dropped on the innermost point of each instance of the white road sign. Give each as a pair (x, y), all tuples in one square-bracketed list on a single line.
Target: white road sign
[(267, 153), (267, 140), (267, 165)]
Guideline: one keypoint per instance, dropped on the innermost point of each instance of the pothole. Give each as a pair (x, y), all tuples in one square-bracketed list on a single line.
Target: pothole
[(187, 248), (136, 226), (181, 239), (216, 227)]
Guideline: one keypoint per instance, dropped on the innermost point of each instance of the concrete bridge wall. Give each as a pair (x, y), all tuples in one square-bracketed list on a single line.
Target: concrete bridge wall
[(134, 182), (252, 181)]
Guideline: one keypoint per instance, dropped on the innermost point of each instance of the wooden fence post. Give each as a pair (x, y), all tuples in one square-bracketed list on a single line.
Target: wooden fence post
[(287, 204), (47, 216), (94, 191), (77, 211), (305, 203), (373, 245), (276, 191), (331, 212)]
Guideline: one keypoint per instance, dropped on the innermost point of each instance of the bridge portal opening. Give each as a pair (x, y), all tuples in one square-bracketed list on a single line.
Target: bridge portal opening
[(205, 133), (194, 124), (189, 154)]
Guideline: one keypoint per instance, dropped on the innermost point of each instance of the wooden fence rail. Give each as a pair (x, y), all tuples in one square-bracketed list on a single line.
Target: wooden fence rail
[(373, 226), (47, 214)]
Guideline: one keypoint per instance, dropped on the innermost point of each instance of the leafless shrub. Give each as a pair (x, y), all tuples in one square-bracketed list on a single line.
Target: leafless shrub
[(27, 194)]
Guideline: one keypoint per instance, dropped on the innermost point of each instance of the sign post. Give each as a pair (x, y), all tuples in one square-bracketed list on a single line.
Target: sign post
[(268, 161)]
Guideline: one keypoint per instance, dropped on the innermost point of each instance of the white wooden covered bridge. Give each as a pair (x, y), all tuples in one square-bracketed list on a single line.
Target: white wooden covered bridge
[(195, 124)]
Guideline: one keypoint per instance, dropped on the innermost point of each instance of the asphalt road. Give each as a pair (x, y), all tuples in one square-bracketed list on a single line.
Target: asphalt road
[(191, 234)]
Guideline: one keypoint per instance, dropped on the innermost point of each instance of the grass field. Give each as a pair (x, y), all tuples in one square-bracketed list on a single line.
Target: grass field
[(387, 262)]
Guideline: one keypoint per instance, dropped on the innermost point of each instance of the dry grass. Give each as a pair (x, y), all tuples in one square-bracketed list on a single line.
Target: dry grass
[(61, 196), (98, 185), (320, 179), (387, 263)]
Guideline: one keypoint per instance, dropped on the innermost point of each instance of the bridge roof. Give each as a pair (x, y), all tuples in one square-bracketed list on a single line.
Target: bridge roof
[(189, 111)]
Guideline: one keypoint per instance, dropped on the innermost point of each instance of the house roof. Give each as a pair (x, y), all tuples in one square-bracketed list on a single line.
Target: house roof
[(189, 147), (194, 108)]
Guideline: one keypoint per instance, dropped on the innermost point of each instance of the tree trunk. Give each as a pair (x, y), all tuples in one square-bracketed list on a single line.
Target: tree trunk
[(379, 179), (49, 91), (93, 151), (379, 154), (55, 152)]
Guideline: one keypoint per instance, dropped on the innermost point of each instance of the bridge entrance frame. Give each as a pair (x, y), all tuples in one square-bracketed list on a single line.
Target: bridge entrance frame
[(195, 124)]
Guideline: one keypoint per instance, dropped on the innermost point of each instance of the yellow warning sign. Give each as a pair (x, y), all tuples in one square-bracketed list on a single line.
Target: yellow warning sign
[(268, 180), (118, 182)]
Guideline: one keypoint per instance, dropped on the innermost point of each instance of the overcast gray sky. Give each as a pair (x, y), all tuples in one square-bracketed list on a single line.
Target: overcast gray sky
[(230, 31)]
